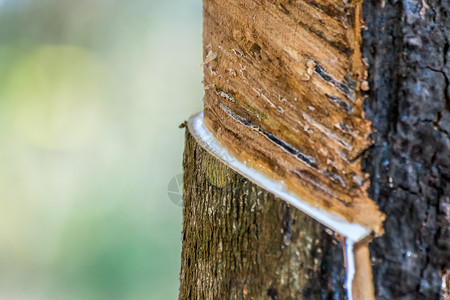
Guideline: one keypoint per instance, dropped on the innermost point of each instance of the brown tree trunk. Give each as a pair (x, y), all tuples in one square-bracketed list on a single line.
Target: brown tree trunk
[(241, 242)]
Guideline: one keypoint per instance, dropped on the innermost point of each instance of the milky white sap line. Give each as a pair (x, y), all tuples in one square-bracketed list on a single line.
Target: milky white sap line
[(350, 269), (351, 231)]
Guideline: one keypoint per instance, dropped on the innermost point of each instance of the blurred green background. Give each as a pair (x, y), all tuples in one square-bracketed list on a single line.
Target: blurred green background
[(91, 96)]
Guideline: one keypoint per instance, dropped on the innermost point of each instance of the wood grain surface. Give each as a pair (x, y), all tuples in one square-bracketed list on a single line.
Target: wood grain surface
[(283, 82)]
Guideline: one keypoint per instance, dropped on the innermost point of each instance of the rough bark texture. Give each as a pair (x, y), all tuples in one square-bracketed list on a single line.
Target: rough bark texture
[(407, 49), (241, 242)]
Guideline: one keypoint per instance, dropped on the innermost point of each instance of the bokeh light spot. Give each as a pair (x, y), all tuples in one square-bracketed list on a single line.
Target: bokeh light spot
[(56, 95)]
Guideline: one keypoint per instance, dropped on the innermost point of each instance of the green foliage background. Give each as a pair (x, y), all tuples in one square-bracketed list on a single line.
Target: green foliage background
[(91, 96)]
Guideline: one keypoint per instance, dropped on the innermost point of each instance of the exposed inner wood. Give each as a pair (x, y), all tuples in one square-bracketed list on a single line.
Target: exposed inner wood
[(283, 83), (363, 282)]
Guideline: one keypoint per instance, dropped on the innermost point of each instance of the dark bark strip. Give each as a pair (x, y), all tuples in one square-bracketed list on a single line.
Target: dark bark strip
[(241, 242), (407, 49)]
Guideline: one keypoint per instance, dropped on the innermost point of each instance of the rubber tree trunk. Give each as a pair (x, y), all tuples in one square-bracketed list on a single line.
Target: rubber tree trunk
[(241, 242)]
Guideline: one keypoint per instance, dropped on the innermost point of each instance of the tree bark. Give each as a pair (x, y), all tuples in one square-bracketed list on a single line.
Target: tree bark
[(406, 46), (241, 242)]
